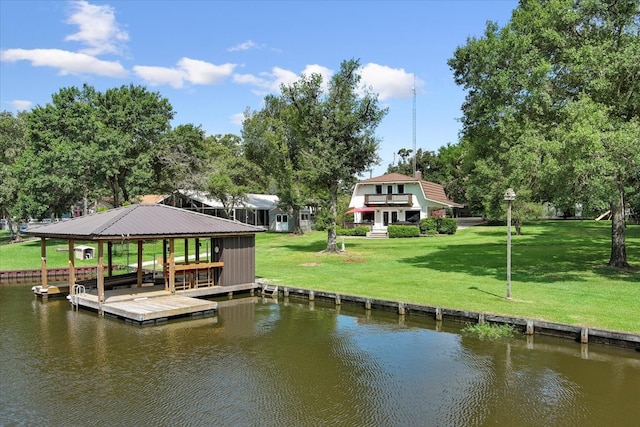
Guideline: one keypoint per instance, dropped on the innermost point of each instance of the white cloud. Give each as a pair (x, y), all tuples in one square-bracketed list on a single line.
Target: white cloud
[(249, 44), (158, 76), (66, 62), (20, 104), (389, 82), (237, 119), (248, 79), (269, 82), (325, 72), (188, 70), (279, 76), (98, 28), (204, 73)]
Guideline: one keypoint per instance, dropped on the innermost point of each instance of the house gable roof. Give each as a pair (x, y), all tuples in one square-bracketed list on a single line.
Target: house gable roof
[(142, 222), (431, 190), (390, 177)]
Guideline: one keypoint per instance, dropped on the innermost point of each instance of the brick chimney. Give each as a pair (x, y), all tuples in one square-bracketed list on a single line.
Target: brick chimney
[(418, 175)]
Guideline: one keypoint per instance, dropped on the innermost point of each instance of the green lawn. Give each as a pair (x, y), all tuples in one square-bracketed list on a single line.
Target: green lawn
[(558, 270)]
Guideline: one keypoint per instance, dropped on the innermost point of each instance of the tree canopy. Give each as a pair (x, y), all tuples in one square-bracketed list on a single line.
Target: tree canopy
[(230, 176), (444, 167), (553, 108), (316, 140), (113, 146), (12, 144), (92, 144), (272, 142)]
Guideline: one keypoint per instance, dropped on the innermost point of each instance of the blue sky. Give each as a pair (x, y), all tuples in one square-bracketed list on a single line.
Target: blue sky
[(213, 59)]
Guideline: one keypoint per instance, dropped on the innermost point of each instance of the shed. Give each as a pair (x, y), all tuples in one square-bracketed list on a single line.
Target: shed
[(84, 252)]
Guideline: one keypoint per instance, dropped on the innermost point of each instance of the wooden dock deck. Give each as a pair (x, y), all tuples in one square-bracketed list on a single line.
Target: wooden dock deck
[(147, 308), (152, 304)]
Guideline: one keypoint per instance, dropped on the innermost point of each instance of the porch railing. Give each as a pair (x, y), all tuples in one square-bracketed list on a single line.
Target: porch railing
[(388, 199)]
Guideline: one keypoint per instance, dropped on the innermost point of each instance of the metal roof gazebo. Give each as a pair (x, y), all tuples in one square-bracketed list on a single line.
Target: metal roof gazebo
[(231, 261)]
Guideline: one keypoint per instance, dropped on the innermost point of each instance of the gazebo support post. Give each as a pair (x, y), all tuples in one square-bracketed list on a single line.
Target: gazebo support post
[(100, 275), (165, 264), (43, 265), (72, 267), (172, 266), (139, 263), (197, 248), (110, 259), (186, 251)]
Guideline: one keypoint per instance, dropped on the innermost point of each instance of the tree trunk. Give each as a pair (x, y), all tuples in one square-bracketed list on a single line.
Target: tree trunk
[(332, 244), (332, 241), (618, 256), (115, 190), (296, 220), (12, 236)]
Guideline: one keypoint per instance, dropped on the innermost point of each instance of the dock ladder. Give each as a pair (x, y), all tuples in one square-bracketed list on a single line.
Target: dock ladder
[(78, 291), (272, 289)]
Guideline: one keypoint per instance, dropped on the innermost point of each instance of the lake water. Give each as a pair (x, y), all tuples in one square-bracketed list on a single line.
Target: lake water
[(258, 362)]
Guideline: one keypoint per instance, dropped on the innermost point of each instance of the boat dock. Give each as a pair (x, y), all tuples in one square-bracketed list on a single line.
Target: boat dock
[(152, 303), (147, 307)]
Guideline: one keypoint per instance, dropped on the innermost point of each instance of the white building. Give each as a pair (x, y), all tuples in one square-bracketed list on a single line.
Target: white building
[(396, 198), (258, 209)]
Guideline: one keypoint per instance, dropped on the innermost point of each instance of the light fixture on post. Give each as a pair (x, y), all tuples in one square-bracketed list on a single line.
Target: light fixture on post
[(509, 196)]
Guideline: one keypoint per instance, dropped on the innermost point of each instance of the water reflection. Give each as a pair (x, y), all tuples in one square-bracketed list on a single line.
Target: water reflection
[(293, 362)]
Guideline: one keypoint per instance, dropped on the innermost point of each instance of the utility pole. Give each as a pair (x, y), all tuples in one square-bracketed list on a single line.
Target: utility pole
[(414, 125)]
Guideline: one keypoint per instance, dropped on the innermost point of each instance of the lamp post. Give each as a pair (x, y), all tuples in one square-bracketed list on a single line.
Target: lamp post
[(509, 196)]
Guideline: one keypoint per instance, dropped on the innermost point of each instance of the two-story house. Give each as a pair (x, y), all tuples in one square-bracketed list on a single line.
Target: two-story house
[(396, 198)]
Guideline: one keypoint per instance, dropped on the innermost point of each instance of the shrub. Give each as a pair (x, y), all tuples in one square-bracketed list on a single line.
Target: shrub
[(437, 225), (447, 226), (403, 231), (344, 231), (361, 230), (428, 226)]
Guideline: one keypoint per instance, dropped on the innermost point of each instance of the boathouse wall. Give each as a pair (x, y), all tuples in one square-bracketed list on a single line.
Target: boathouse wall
[(239, 257)]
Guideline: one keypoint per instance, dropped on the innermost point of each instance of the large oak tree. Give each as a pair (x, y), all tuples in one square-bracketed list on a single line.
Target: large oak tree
[(12, 144), (86, 143), (272, 143), (328, 136), (553, 107)]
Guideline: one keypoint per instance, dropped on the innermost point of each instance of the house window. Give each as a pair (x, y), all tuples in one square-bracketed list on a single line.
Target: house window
[(304, 217), (412, 216), (401, 188), (389, 189), (378, 189)]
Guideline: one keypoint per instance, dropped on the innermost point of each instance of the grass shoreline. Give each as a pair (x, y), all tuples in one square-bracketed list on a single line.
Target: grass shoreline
[(559, 271)]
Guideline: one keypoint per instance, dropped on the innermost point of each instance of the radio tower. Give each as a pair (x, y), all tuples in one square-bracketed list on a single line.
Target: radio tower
[(414, 125)]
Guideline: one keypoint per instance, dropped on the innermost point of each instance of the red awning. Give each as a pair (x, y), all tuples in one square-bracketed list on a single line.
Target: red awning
[(361, 210)]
